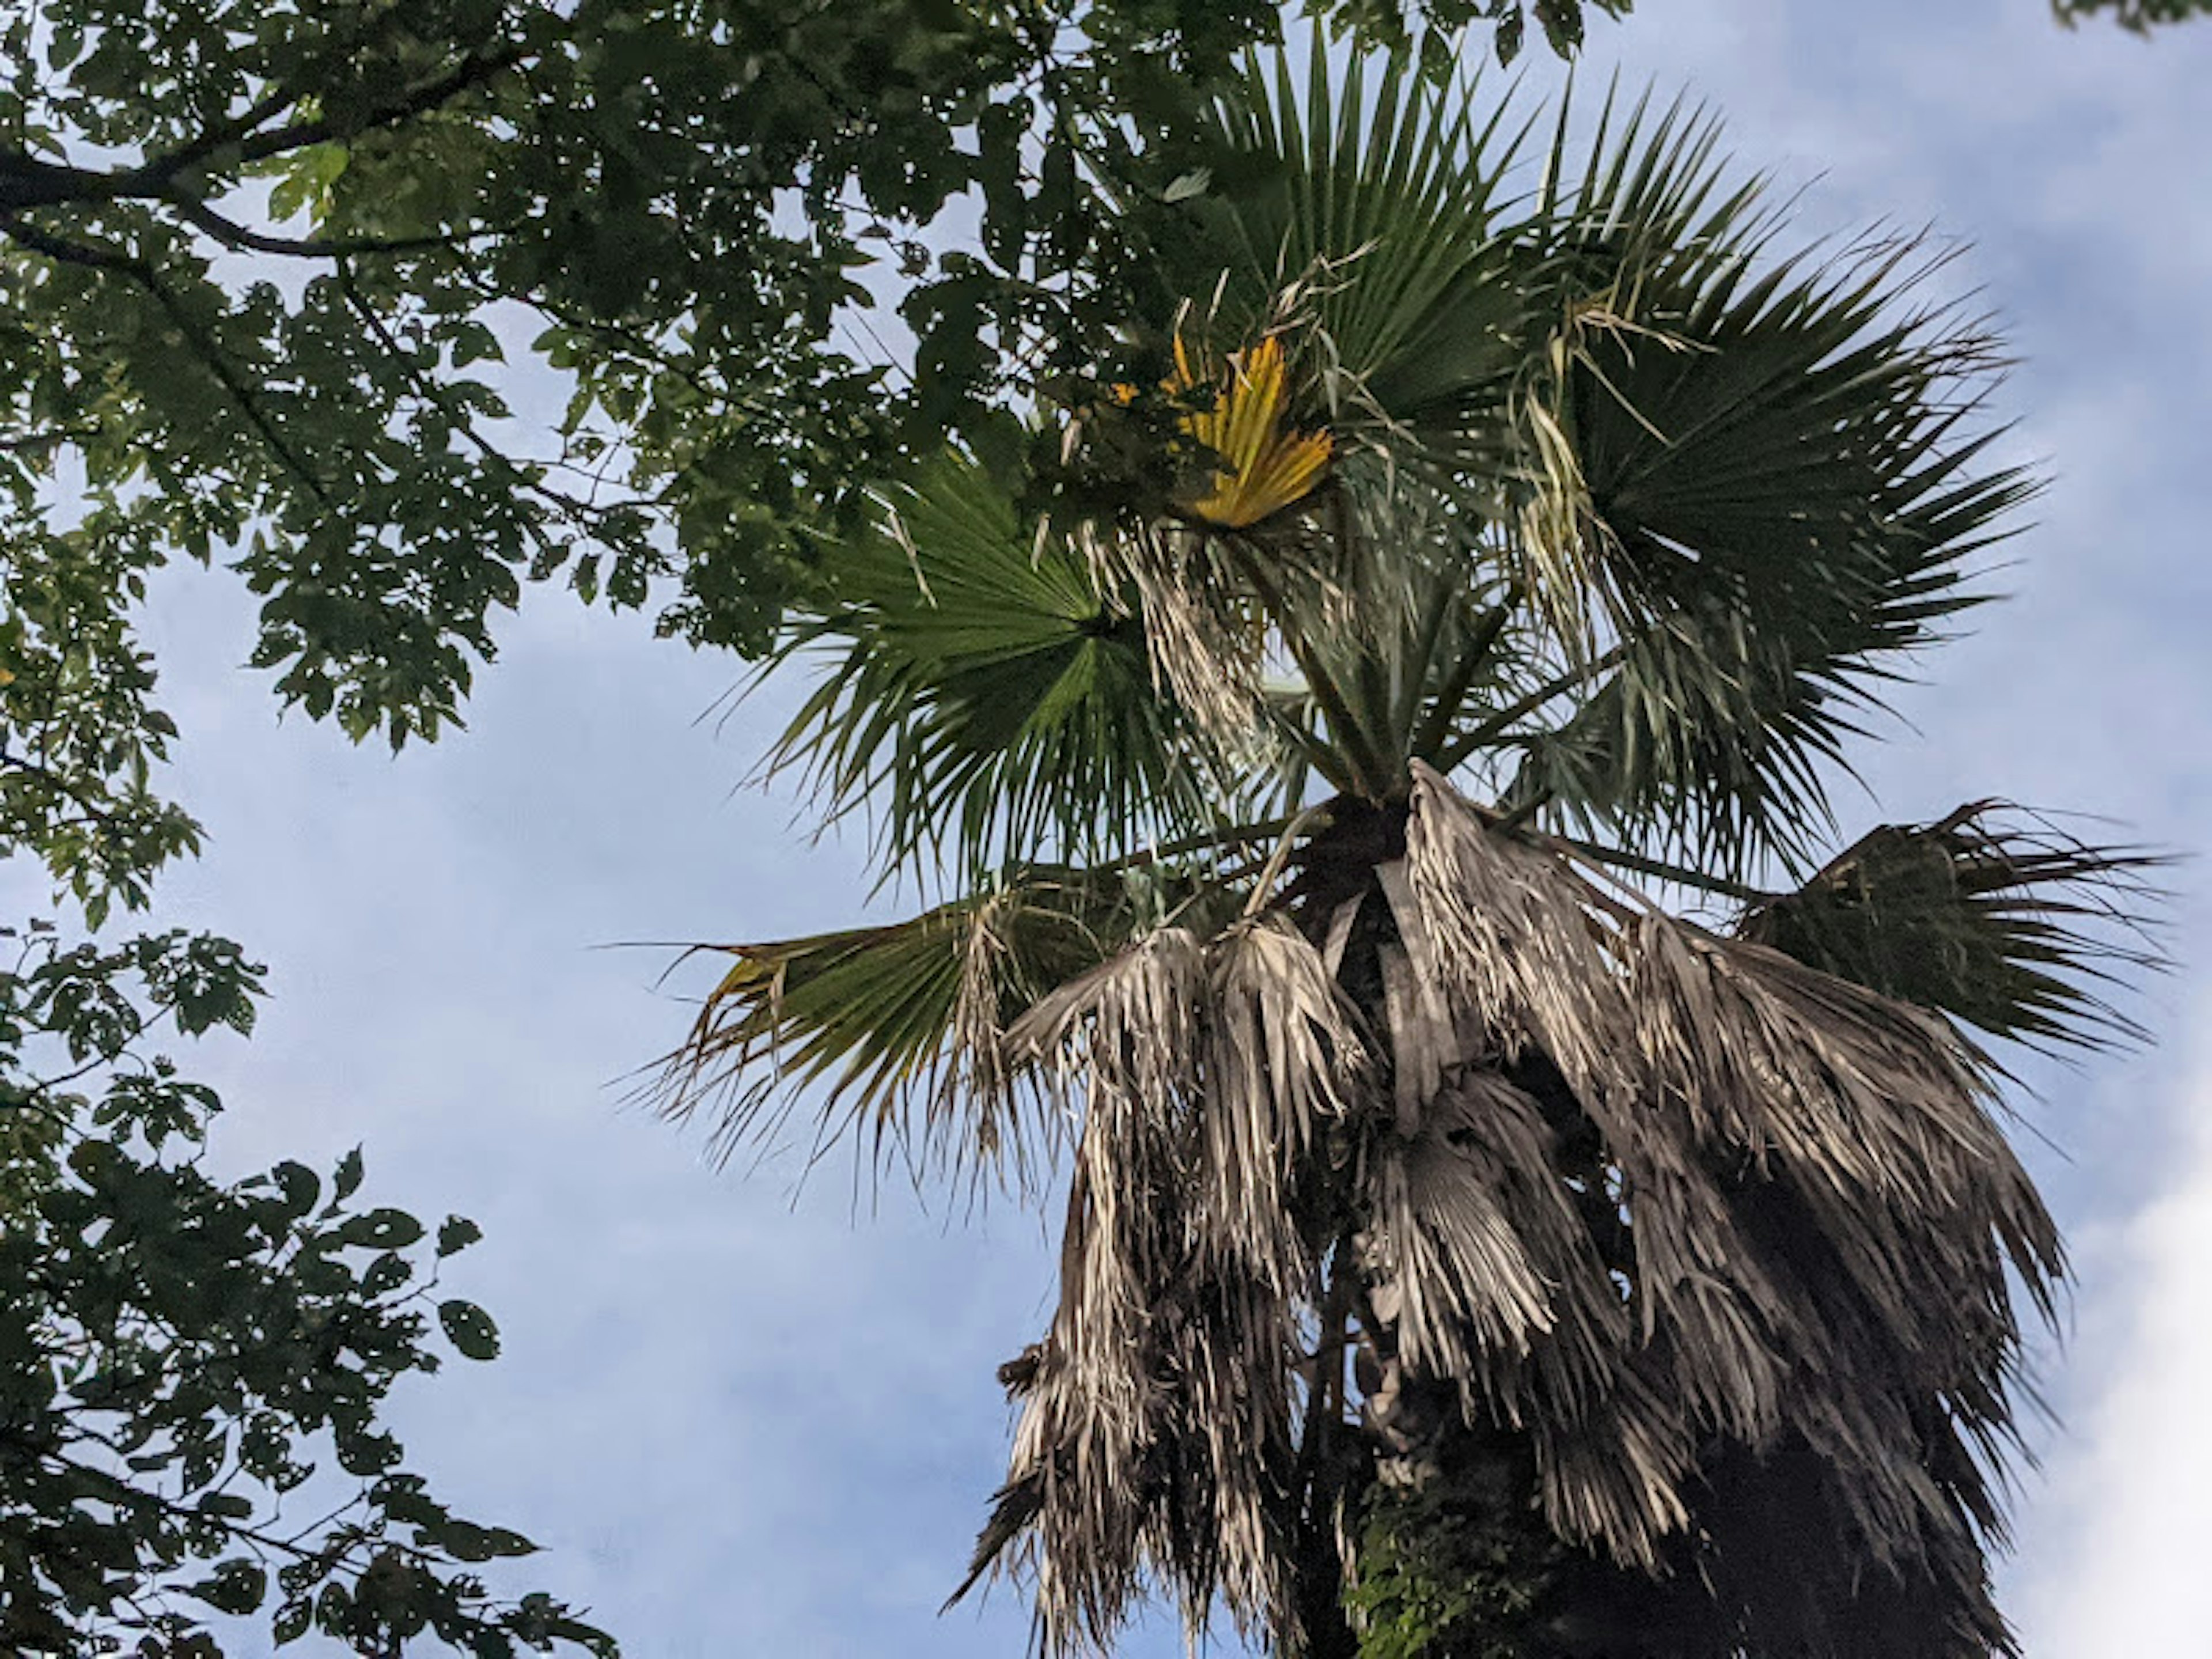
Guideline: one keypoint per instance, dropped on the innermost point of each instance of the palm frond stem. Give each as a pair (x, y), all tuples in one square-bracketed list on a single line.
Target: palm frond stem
[(1435, 731), (1518, 710), (1243, 835), (1414, 672), (1272, 870), (1658, 868), (1368, 776), (1314, 752)]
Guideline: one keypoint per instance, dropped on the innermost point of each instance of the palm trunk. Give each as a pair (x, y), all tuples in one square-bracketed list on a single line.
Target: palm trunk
[(1439, 1504)]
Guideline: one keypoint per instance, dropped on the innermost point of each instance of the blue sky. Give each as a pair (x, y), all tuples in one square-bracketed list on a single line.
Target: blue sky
[(746, 1419)]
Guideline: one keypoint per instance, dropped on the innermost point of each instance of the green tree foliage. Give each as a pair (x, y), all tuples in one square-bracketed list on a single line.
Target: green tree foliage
[(177, 1356), (1527, 1196), (2139, 15), (262, 267), (192, 1374)]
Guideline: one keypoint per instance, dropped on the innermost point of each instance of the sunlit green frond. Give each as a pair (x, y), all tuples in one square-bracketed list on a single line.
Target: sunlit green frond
[(988, 700), (1263, 466), (1995, 918), (888, 1033), (1785, 494)]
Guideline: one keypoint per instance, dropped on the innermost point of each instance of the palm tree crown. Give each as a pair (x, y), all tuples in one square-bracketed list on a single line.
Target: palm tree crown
[(1464, 1255)]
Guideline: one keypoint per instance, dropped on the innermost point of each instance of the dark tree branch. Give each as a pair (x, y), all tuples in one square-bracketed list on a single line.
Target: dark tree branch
[(232, 234), (469, 73), (26, 181)]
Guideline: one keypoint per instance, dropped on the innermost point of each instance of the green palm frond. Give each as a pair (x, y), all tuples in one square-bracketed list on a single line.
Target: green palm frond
[(989, 700), (1655, 190), (1785, 494), (1989, 915), (894, 1036), (1373, 200), (889, 1033)]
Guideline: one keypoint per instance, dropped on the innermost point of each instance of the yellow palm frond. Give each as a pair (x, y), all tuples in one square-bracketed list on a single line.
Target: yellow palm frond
[(1263, 466)]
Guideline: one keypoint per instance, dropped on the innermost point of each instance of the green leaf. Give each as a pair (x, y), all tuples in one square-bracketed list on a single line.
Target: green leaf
[(380, 1229), (1785, 490), (469, 1329), (983, 697), (238, 1587), (347, 1180), (300, 1185), (876, 1015), (1376, 199), (456, 1233), (292, 1620)]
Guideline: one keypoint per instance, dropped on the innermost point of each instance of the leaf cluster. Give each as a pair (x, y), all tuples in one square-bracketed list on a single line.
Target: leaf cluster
[(193, 1374), (2139, 15), (80, 738), (273, 278)]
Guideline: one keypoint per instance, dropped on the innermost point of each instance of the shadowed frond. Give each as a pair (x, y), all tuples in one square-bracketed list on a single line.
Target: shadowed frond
[(1991, 915), (1818, 1216), (1785, 500)]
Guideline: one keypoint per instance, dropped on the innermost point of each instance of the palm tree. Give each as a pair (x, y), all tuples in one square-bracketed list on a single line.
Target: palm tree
[(1465, 1253)]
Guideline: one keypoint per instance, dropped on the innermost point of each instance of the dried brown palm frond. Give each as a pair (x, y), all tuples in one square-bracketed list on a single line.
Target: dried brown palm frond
[(1159, 1416), (1474, 1248), (1821, 1211), (1523, 946), (1665, 1208), (1205, 639)]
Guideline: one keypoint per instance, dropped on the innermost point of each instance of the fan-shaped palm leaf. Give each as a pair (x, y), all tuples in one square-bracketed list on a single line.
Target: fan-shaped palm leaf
[(990, 699), (898, 1025), (1784, 499), (1373, 200)]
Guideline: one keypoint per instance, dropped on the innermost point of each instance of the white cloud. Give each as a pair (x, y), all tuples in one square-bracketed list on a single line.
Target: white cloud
[(2117, 1564)]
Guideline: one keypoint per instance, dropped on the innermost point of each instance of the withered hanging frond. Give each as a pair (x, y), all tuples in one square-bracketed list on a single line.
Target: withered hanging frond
[(1477, 1249), (1669, 1206), (1817, 1215), (1159, 1422)]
